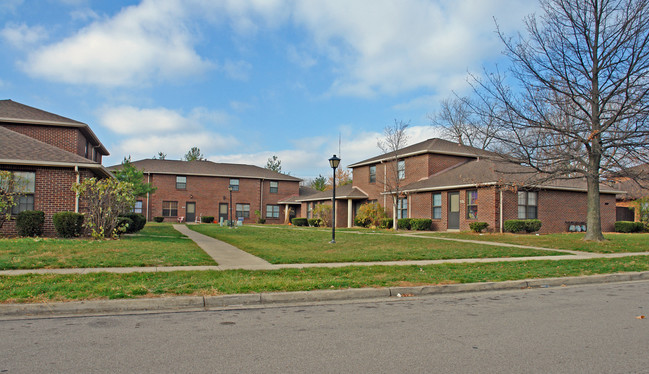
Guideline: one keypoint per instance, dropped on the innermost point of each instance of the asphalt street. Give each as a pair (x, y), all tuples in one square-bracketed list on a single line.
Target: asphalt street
[(574, 329)]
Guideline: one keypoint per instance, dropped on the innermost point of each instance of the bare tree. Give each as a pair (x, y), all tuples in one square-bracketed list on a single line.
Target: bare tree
[(394, 140), (579, 103), (461, 123)]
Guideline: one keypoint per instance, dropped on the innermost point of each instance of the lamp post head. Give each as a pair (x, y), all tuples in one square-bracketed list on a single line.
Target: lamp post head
[(230, 188), (334, 162)]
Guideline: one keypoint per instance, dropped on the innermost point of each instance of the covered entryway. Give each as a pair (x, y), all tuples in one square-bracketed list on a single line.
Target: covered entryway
[(453, 211)]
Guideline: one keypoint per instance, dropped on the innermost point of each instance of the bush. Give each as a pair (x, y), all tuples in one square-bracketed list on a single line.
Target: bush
[(30, 223), (403, 223), (478, 226), (518, 225), (123, 225), (300, 222), (261, 221), (324, 212), (385, 223), (138, 222), (207, 219), (314, 222), (369, 214), (68, 224), (421, 224), (628, 226), (159, 219)]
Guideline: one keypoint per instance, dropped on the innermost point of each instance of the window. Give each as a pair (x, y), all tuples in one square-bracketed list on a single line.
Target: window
[(527, 205), (138, 207), (181, 182), (169, 208), (25, 186), (401, 169), (402, 208), (243, 210), (373, 174), (272, 211), (234, 183), (309, 210), (437, 206), (472, 204), (274, 186)]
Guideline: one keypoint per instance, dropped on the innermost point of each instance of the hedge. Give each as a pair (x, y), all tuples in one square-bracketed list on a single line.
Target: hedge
[(478, 226), (421, 224), (403, 223), (386, 223), (207, 219), (314, 222), (30, 223), (68, 224), (518, 225), (629, 226), (299, 221), (138, 222), (158, 219)]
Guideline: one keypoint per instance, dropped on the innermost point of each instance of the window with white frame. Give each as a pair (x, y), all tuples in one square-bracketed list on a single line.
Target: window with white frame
[(234, 183), (243, 210), (373, 174), (24, 185), (137, 208), (402, 207), (401, 169), (274, 186), (472, 204), (437, 206), (169, 208), (527, 205), (272, 211), (181, 182)]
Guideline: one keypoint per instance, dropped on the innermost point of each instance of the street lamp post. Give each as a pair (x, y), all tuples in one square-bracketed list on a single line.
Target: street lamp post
[(230, 189), (334, 162)]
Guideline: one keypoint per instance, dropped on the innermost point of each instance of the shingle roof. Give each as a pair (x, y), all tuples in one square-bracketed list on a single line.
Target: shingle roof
[(14, 112), (19, 149), (433, 145), (489, 171), (304, 192), (207, 168), (347, 191)]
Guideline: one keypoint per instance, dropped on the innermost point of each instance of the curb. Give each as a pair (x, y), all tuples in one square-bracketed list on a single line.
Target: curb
[(197, 303)]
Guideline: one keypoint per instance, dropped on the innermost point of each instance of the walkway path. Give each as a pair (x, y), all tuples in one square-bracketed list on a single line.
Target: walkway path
[(229, 257)]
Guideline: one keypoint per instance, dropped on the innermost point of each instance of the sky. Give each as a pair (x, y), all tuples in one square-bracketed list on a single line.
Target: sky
[(246, 80)]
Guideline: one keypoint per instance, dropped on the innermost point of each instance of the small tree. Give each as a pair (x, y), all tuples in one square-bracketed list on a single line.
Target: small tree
[(319, 183), (105, 200), (194, 154), (394, 140), (343, 177), (10, 187), (370, 214), (323, 211), (160, 156), (134, 176), (274, 164), (642, 206)]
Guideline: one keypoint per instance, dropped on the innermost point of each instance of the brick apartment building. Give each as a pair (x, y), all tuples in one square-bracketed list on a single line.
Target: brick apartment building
[(187, 190), (626, 204), (49, 152), (455, 185)]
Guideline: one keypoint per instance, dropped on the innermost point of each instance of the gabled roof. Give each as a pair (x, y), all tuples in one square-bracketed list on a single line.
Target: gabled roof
[(14, 112), (19, 149), (304, 192), (347, 191), (433, 145), (207, 168), (495, 172)]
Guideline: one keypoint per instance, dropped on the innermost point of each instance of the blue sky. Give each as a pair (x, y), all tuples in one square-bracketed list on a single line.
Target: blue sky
[(245, 80)]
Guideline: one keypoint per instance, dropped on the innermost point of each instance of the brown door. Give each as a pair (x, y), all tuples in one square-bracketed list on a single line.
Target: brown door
[(453, 210), (190, 209), (223, 212)]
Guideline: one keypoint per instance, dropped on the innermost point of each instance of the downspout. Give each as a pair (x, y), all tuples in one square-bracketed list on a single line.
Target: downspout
[(76, 194), (501, 211), (261, 198), (148, 180)]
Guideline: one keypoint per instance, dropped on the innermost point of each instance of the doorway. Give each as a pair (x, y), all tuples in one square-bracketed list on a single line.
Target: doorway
[(190, 210), (453, 210), (223, 212)]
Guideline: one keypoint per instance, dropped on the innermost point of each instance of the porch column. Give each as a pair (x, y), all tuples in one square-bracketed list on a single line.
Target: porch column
[(350, 221), (287, 215)]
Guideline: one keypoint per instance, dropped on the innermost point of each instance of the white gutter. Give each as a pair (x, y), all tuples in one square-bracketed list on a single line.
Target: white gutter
[(478, 185), (148, 195), (76, 194), (57, 164), (501, 211)]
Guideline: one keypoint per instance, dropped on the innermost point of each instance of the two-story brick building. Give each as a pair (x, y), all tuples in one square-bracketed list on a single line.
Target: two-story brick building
[(454, 185), (49, 153), (187, 190)]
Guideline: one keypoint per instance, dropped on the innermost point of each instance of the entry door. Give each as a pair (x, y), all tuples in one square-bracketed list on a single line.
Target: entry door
[(223, 212), (190, 209), (454, 210)]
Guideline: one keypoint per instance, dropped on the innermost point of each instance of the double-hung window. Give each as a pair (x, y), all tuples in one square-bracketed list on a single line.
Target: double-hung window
[(272, 211), (472, 204), (169, 208), (401, 169), (402, 207), (243, 210), (181, 182), (137, 208), (373, 174), (274, 186), (527, 205), (24, 185), (437, 206), (234, 183)]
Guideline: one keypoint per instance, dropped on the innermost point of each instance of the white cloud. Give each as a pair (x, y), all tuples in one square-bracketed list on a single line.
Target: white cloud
[(140, 44), (174, 145), (23, 36), (131, 120), (238, 70)]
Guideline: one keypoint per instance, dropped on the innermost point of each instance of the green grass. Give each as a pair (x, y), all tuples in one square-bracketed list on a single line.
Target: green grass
[(615, 242), (285, 245), (48, 288), (155, 245)]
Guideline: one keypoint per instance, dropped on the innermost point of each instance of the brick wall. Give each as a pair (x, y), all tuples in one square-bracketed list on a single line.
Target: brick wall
[(208, 192), (67, 138)]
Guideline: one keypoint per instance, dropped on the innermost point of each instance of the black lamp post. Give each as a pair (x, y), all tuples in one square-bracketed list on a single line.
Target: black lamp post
[(334, 162), (230, 189)]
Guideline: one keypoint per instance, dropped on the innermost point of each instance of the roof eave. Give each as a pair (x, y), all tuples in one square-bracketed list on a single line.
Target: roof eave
[(93, 166)]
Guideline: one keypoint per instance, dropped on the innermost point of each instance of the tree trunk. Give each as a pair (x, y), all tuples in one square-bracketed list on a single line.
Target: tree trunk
[(395, 225), (593, 217)]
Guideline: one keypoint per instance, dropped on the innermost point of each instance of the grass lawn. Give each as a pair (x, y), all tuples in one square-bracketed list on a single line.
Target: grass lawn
[(47, 288), (155, 245), (285, 245), (616, 242)]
